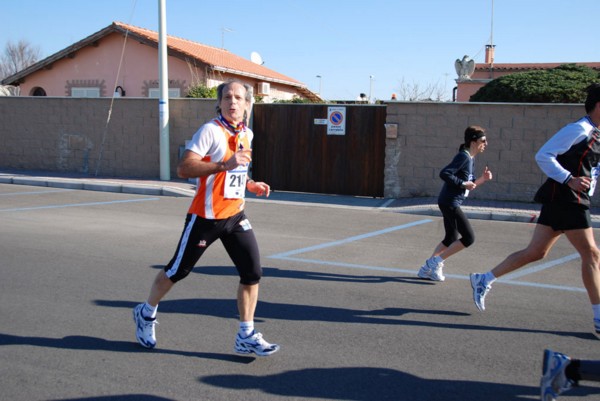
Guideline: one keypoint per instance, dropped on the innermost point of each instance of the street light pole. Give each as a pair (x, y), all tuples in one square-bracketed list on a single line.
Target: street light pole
[(163, 101), (371, 77)]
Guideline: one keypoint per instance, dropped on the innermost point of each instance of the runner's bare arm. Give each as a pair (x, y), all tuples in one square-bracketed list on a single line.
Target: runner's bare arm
[(192, 165)]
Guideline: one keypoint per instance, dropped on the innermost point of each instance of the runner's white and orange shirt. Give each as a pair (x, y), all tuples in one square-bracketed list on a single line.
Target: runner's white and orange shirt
[(220, 195)]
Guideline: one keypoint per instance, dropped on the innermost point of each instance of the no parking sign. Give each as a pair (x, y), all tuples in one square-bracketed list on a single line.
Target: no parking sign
[(336, 121)]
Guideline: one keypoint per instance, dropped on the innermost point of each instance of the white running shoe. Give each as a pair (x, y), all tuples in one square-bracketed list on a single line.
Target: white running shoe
[(432, 270), (597, 327), (480, 290), (144, 328), (554, 381), (254, 343), (424, 272)]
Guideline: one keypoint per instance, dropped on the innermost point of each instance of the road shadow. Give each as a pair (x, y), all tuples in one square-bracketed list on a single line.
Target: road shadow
[(227, 308), (274, 272), (368, 384), (88, 343)]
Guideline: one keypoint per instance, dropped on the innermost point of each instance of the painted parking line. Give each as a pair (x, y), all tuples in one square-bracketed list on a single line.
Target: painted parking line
[(508, 279), (347, 240), (348, 265), (541, 285), (540, 267), (22, 209), (386, 204), (36, 192)]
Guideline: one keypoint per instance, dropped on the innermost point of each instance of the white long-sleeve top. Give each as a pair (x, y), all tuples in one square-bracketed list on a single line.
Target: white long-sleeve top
[(561, 142)]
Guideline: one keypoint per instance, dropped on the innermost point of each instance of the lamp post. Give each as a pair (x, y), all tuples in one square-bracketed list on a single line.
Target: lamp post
[(320, 81), (163, 85), (371, 78)]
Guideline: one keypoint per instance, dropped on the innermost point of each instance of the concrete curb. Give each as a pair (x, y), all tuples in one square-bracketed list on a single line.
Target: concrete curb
[(98, 185), (514, 215)]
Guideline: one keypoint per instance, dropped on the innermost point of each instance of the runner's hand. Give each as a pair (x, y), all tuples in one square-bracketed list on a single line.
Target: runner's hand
[(259, 188), (242, 157)]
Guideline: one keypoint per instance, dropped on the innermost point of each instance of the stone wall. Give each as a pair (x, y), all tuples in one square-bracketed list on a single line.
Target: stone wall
[(429, 134), (72, 135), (77, 136)]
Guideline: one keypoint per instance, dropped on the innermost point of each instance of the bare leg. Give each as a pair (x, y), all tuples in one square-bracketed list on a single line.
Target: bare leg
[(583, 241), (544, 237), (247, 298), (439, 249), (162, 284), (254, 343), (454, 248)]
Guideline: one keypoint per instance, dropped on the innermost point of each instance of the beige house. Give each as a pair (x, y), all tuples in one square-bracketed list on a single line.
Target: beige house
[(482, 73), (123, 59)]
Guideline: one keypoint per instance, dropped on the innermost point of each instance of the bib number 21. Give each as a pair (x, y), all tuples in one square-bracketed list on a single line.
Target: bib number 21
[(235, 183)]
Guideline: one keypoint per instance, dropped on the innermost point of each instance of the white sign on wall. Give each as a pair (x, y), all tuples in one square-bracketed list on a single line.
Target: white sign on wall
[(336, 121)]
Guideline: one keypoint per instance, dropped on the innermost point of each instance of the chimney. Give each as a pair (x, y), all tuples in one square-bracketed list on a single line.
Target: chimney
[(489, 54)]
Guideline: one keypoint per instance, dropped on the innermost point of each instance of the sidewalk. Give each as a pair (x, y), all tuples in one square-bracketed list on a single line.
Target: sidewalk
[(473, 208)]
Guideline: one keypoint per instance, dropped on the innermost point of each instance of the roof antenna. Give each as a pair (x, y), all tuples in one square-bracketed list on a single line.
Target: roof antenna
[(492, 26), (223, 30), (489, 49)]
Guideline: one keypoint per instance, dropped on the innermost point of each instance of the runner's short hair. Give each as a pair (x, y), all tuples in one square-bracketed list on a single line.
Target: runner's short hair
[(593, 97)]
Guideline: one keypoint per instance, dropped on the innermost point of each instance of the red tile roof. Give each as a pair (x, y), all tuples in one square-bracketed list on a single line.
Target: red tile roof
[(220, 59)]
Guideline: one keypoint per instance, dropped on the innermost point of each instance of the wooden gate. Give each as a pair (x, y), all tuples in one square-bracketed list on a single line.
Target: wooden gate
[(292, 152)]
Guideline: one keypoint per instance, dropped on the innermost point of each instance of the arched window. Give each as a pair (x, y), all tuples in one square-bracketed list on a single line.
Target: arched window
[(37, 91)]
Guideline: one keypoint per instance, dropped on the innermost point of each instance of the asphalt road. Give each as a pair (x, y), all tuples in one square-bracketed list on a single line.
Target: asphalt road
[(339, 294)]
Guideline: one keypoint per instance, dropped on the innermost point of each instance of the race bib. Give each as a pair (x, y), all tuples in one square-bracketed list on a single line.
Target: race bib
[(595, 173), (235, 182), (471, 178)]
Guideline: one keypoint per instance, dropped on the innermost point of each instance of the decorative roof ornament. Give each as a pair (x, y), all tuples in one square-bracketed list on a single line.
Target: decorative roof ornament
[(464, 68)]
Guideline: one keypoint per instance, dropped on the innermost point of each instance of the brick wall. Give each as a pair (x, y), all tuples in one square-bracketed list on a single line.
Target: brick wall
[(429, 134)]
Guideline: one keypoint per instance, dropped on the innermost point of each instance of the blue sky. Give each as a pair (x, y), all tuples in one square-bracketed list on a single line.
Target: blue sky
[(399, 42)]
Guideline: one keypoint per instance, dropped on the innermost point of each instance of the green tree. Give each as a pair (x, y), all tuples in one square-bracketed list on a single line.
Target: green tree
[(563, 84), (202, 92)]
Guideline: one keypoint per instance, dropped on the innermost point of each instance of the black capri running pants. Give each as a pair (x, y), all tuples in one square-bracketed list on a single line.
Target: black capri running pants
[(237, 237), (455, 223)]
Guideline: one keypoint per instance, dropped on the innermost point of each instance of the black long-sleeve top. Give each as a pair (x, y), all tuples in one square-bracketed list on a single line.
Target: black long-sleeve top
[(454, 174)]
